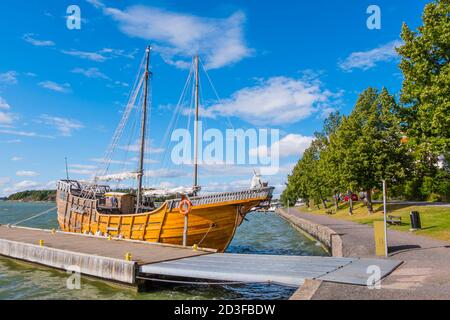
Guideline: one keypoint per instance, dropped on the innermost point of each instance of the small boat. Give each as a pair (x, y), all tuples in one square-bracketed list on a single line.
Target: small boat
[(186, 217)]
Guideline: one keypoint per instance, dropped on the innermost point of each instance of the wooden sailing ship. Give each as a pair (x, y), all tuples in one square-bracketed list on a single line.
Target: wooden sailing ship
[(189, 219)]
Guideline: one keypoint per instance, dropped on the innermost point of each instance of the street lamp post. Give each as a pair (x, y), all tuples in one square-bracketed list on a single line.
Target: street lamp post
[(385, 218)]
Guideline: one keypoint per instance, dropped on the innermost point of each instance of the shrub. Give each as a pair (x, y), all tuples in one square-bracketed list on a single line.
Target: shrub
[(434, 197)]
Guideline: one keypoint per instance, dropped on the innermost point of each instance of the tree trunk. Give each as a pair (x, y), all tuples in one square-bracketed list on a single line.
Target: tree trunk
[(336, 203), (350, 202), (324, 203), (369, 201)]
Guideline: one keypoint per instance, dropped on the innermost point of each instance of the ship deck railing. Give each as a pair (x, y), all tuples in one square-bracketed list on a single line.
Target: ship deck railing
[(258, 193)]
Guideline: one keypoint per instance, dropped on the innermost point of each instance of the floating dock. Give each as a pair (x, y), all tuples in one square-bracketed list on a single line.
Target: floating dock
[(129, 261), (93, 255)]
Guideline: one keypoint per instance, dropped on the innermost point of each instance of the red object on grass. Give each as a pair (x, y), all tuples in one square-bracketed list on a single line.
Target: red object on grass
[(354, 198)]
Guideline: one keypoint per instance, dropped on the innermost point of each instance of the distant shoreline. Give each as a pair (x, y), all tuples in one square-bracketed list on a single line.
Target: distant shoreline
[(32, 196), (43, 201)]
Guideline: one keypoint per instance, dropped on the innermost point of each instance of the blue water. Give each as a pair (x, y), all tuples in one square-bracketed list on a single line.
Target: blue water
[(263, 233)]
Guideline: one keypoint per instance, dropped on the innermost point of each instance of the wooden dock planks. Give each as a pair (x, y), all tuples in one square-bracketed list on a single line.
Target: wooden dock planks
[(96, 256)]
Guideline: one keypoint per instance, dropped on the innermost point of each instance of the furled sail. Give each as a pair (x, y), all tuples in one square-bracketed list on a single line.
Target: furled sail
[(118, 176), (168, 192)]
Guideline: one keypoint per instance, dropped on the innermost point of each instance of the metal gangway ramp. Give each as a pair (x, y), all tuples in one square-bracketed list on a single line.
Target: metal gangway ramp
[(257, 268)]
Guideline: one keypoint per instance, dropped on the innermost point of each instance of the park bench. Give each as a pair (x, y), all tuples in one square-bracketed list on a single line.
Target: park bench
[(330, 212), (394, 220)]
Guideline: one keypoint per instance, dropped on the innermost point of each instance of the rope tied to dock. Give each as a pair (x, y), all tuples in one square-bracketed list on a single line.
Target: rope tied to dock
[(210, 227), (33, 216)]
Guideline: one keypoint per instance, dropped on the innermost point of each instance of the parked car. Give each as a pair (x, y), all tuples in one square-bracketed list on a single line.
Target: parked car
[(354, 197)]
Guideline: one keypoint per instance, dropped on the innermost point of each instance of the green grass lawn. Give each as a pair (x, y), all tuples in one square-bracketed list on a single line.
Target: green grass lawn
[(435, 220)]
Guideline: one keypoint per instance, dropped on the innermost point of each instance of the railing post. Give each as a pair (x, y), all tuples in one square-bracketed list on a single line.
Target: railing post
[(185, 230)]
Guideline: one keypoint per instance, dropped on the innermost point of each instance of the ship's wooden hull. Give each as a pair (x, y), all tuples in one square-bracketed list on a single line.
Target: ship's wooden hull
[(209, 225)]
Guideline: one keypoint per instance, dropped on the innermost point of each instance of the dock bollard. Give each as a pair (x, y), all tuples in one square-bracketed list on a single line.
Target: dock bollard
[(41, 243), (128, 256)]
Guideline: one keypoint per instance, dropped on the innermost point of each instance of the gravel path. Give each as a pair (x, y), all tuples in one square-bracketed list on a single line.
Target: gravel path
[(425, 273)]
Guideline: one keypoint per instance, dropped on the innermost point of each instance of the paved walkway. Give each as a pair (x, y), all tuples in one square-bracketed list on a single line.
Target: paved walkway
[(425, 273)]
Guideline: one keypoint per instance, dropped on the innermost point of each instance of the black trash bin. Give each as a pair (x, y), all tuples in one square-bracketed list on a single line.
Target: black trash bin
[(415, 220)]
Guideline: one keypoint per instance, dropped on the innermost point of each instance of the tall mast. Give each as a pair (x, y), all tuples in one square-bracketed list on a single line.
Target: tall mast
[(140, 172), (196, 127)]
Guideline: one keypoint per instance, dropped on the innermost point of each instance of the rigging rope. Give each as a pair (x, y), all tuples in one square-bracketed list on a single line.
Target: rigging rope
[(34, 216), (215, 92), (106, 161), (173, 123)]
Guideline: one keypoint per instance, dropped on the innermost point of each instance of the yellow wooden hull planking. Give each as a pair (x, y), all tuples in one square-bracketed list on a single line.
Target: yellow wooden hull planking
[(209, 225)]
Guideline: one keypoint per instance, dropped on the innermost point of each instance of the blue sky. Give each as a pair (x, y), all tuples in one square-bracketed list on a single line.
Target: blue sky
[(280, 65)]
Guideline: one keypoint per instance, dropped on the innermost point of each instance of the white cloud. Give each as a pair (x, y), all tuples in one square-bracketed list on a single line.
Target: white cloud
[(4, 180), (28, 37), (93, 56), (91, 73), (22, 133), (21, 186), (166, 173), (179, 36), (6, 118), (16, 158), (96, 3), (50, 85), (122, 84), (100, 160), (277, 100), (9, 77), (236, 185), (82, 169), (100, 56), (290, 145), (226, 170), (158, 173), (63, 125), (26, 173), (148, 161), (137, 147), (293, 145), (114, 53), (366, 60), (82, 166), (12, 141), (4, 104)]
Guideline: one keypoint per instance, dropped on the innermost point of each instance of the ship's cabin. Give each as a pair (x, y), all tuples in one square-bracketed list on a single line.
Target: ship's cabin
[(116, 203), (124, 203)]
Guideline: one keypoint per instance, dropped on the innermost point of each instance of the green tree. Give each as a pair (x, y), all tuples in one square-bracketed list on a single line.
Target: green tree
[(426, 97), (307, 181), (426, 87), (329, 161), (367, 146), (313, 175), (332, 123)]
